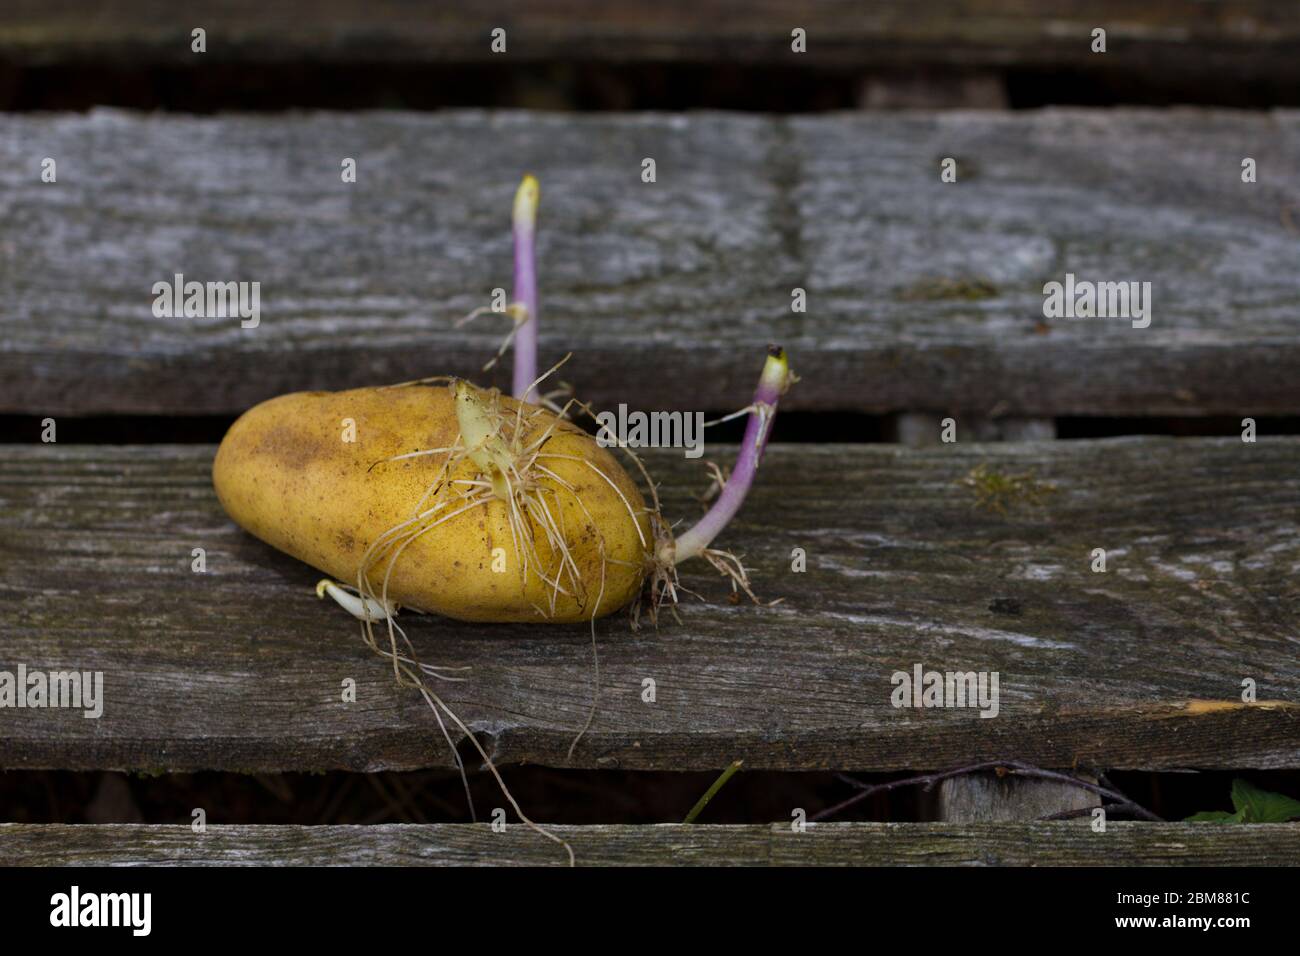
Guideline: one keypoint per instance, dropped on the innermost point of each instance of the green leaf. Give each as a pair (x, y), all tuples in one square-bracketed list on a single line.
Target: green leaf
[(1260, 806), (1214, 816)]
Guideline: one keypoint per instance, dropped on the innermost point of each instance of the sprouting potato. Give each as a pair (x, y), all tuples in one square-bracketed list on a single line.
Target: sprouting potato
[(464, 502), (528, 519)]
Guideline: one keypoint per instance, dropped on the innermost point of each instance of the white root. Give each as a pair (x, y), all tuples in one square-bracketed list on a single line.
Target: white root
[(362, 608)]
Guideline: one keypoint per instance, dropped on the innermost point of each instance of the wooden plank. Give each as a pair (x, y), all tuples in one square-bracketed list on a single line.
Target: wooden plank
[(921, 295), (821, 844), (241, 668), (987, 798), (1241, 38)]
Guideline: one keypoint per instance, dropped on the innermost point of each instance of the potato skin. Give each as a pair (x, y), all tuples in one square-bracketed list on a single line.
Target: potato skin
[(285, 474)]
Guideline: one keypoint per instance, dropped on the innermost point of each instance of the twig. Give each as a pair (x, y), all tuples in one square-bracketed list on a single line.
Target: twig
[(711, 792), (1080, 812), (1017, 767)]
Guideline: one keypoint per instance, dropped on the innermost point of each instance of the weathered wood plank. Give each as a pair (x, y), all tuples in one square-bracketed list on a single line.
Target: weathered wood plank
[(1235, 37), (986, 798), (821, 844), (240, 668), (921, 295)]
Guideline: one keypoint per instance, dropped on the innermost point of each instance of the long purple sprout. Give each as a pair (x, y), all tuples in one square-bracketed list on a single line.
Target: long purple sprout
[(525, 292), (771, 386)]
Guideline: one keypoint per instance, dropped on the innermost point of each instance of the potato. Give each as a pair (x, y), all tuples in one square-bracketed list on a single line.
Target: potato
[(561, 535)]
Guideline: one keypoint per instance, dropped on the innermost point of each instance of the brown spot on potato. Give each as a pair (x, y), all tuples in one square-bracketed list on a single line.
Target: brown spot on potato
[(292, 446)]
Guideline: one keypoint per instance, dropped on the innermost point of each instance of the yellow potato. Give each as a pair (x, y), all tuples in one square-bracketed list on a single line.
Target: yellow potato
[(286, 473)]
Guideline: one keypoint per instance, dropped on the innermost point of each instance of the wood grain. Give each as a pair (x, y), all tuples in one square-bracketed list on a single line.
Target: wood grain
[(241, 668), (922, 296), (822, 844), (1234, 38)]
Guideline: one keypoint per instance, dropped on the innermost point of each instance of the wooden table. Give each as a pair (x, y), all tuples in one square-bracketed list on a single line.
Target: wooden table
[(923, 298)]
